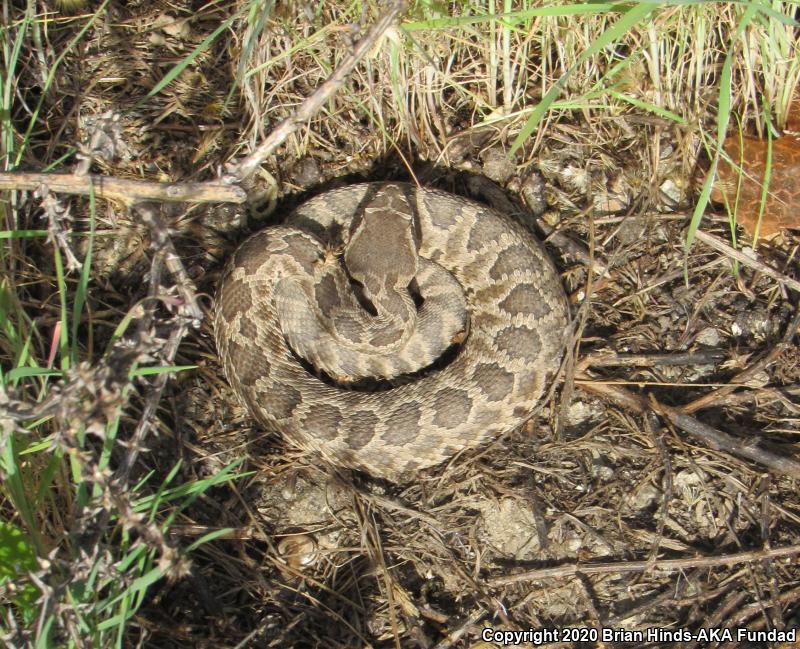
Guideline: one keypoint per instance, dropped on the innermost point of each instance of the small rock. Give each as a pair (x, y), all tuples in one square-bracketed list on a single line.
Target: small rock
[(496, 165), (581, 411), (671, 191), (709, 337), (644, 497), (533, 193), (631, 229), (306, 173), (753, 324), (602, 469), (510, 527)]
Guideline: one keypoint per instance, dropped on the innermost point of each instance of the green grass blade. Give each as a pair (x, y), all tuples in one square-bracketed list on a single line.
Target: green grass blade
[(51, 73), (27, 372), (22, 234), (207, 538), (651, 108), (161, 369), (723, 118), (83, 280), (629, 19), (509, 18), (175, 72)]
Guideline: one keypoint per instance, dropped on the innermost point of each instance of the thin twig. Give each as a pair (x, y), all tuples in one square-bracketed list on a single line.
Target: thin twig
[(750, 372), (612, 359), (136, 443), (665, 279), (754, 608), (237, 172), (721, 441), (127, 191), (760, 266), (465, 627), (573, 569), (682, 418), (162, 241), (709, 436)]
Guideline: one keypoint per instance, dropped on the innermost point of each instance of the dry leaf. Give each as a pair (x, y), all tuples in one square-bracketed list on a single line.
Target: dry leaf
[(781, 207)]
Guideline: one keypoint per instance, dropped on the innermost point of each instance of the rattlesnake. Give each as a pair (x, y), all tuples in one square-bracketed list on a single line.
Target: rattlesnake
[(507, 325)]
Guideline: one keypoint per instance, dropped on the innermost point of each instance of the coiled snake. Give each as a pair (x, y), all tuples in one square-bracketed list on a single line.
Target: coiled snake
[(379, 280)]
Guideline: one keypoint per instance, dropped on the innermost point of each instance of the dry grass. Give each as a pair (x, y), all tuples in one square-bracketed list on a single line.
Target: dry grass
[(112, 482)]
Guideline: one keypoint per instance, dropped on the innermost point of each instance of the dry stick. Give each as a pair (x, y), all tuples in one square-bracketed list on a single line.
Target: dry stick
[(237, 172), (188, 312), (712, 398), (389, 503), (575, 330), (754, 608), (131, 192), (136, 443), (226, 191), (456, 634), (671, 595), (760, 266), (709, 436), (641, 566), (763, 395), (650, 423), (722, 441), (163, 242), (664, 279), (733, 602), (612, 359), (125, 190)]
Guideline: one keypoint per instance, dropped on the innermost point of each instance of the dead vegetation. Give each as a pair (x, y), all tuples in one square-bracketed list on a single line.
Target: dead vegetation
[(658, 486)]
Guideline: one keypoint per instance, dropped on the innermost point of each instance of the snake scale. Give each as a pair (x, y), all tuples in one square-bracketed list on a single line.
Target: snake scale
[(379, 279)]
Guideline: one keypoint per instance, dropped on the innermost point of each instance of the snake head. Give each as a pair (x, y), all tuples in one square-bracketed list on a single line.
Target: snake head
[(382, 254)]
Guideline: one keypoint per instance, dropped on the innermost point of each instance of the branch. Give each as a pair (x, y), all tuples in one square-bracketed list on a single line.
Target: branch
[(149, 213), (681, 416), (749, 373), (127, 191), (760, 266), (573, 569), (711, 437)]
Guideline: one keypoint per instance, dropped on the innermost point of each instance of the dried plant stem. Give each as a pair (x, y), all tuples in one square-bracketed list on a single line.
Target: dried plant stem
[(711, 437), (127, 191), (573, 569), (465, 627), (749, 373), (136, 443), (132, 192), (612, 359), (721, 441), (760, 266), (682, 418), (162, 242)]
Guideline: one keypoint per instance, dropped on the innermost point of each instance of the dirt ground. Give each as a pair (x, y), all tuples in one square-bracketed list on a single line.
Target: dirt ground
[(602, 513)]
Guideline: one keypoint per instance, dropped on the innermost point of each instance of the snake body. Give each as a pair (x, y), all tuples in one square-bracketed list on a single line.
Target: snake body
[(420, 269)]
